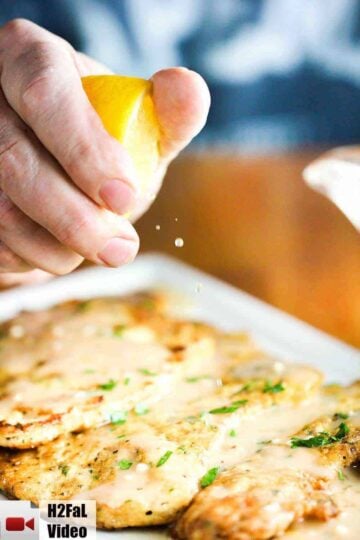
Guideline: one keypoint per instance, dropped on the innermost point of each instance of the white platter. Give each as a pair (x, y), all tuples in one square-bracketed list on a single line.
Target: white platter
[(210, 300)]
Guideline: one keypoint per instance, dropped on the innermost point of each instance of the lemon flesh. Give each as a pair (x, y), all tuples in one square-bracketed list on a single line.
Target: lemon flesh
[(127, 111)]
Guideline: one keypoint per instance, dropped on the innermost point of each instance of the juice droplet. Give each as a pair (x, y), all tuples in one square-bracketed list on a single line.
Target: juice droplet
[(157, 227), (179, 242), (176, 219)]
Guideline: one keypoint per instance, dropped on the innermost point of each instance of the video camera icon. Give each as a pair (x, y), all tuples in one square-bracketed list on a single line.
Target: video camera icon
[(19, 524), (18, 521)]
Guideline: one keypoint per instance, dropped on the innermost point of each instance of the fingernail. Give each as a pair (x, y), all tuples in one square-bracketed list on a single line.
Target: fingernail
[(118, 251), (118, 196)]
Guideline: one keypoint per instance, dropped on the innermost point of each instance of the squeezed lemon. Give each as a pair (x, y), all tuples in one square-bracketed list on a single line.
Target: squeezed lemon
[(126, 108)]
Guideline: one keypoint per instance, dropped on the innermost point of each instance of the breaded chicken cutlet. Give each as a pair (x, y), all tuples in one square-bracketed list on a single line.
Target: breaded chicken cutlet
[(162, 420)]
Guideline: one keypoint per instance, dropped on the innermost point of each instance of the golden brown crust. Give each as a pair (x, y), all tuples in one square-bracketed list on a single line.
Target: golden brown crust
[(253, 502), (234, 382), (41, 356)]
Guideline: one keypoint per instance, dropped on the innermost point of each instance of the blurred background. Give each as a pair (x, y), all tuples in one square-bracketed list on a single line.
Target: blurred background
[(284, 76)]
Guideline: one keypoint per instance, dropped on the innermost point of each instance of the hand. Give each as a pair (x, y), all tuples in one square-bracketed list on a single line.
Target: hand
[(64, 181)]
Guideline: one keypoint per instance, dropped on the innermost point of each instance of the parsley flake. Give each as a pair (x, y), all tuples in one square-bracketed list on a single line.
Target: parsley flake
[(146, 371), (148, 304), (341, 416), (234, 406), (124, 464), (273, 388), (164, 458), (109, 385), (141, 408), (209, 477), (64, 469), (197, 378), (118, 330), (118, 418), (322, 439), (82, 306)]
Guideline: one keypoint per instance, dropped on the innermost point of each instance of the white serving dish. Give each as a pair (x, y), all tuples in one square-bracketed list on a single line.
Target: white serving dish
[(210, 300)]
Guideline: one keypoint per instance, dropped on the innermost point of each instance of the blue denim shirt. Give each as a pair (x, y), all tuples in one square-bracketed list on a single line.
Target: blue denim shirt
[(282, 73)]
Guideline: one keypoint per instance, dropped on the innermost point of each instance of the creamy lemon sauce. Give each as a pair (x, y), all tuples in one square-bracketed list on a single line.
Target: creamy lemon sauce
[(83, 354), (236, 437), (77, 375)]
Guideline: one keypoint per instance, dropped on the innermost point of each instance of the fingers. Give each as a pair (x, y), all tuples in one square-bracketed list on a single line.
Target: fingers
[(12, 279), (9, 262), (27, 245), (182, 102), (41, 82), (35, 184)]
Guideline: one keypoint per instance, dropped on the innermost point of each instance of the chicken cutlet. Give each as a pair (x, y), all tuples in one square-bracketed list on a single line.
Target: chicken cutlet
[(303, 480), (147, 464), (67, 368), (162, 420)]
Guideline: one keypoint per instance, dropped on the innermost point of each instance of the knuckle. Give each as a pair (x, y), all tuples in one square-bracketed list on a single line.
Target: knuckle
[(7, 211), (74, 228), (8, 260), (14, 28), (8, 161), (38, 89), (79, 151)]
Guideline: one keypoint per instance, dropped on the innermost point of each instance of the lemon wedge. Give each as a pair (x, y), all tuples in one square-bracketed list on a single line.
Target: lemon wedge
[(126, 108)]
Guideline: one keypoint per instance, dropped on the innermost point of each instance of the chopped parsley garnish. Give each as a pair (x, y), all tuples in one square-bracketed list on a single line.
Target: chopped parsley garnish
[(64, 469), (148, 303), (248, 386), (323, 439), (273, 388), (234, 406), (121, 436), (146, 371), (141, 409), (341, 416), (124, 464), (232, 433), (109, 385), (197, 378), (164, 458), (209, 477), (245, 388), (342, 431), (118, 418), (89, 371), (83, 306), (126, 381), (341, 475), (118, 330)]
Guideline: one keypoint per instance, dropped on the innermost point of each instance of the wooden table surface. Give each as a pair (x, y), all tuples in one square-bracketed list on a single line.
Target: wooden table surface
[(253, 222)]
